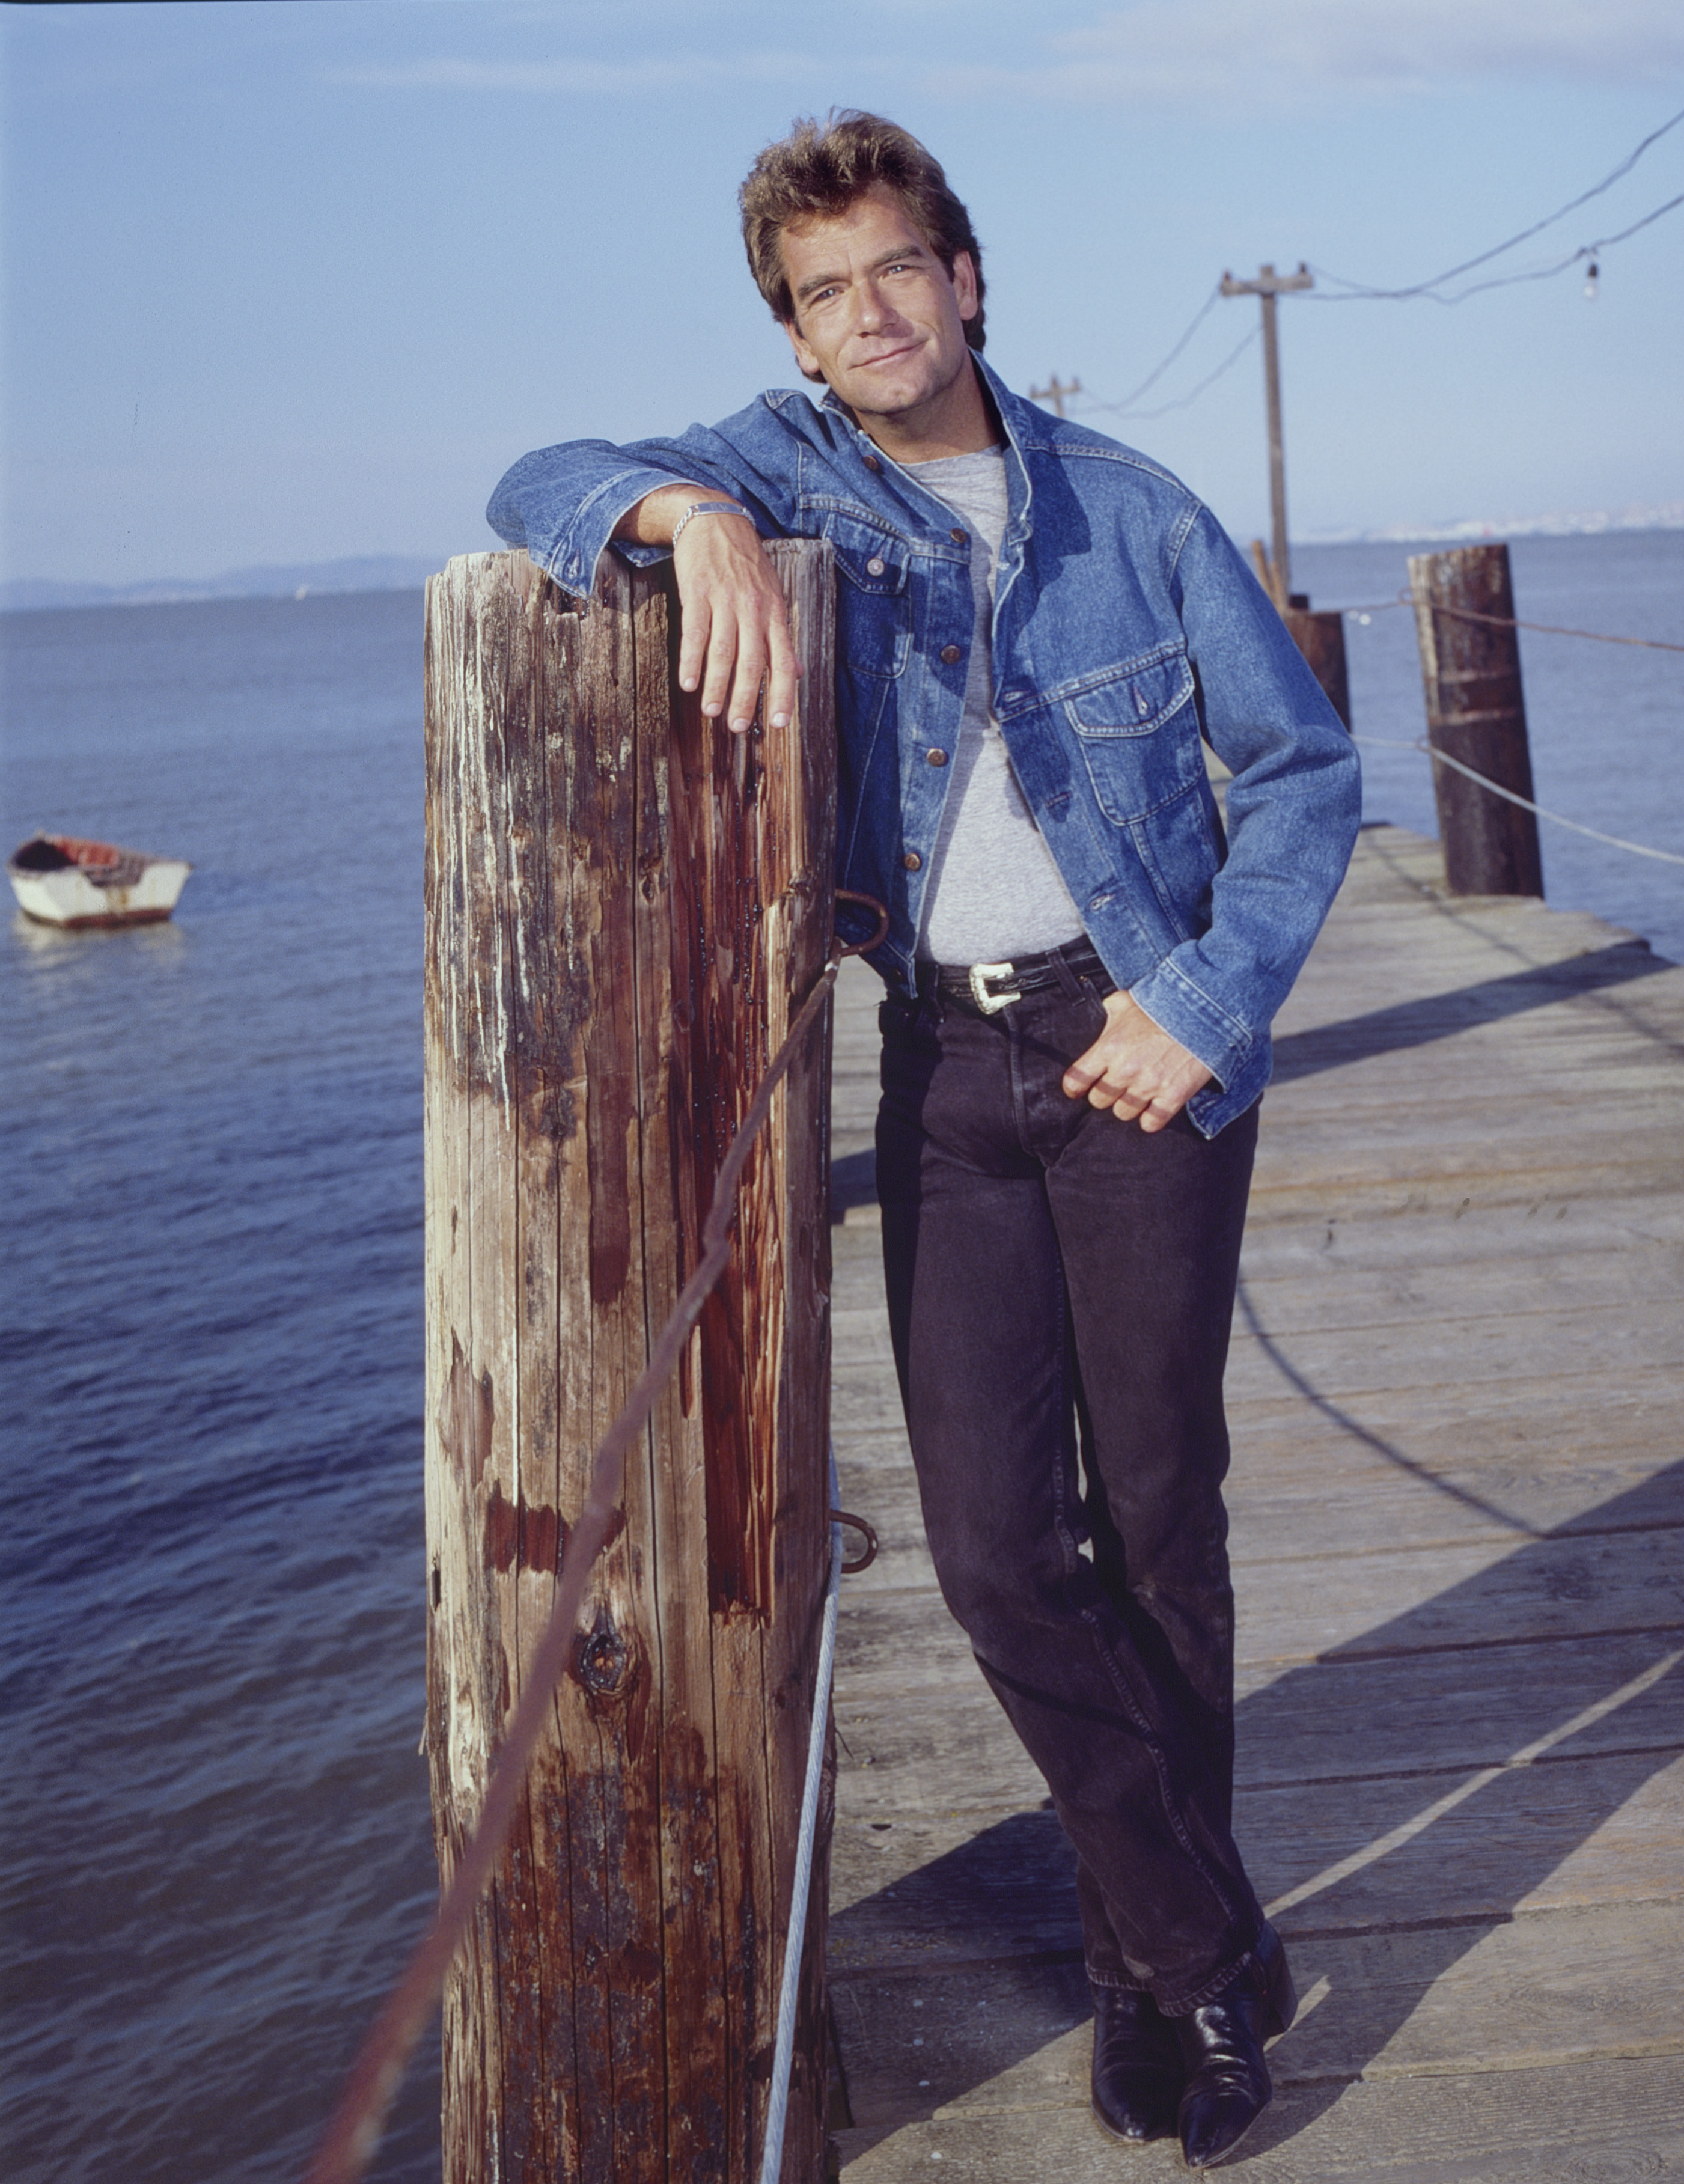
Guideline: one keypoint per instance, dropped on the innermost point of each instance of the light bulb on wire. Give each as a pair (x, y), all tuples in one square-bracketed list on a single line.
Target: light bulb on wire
[(1593, 282)]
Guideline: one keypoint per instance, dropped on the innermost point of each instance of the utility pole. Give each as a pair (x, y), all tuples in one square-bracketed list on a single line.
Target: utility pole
[(1055, 393), (1269, 285)]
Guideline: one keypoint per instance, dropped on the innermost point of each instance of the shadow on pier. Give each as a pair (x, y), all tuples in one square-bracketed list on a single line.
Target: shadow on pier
[(1423, 1823), (1418, 1022)]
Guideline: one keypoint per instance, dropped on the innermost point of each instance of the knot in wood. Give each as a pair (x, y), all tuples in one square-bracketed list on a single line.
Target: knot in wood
[(600, 1659)]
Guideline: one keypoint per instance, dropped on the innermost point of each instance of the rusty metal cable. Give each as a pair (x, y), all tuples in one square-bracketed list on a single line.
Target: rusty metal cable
[(1553, 628), (1514, 796), (1508, 621), (354, 2129)]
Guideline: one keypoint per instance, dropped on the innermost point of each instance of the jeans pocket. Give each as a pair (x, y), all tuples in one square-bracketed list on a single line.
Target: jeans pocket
[(906, 1018), (1094, 993)]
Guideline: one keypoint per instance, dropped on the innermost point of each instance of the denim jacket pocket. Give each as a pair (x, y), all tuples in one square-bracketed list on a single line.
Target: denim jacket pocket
[(1134, 699), (1138, 729), (874, 608)]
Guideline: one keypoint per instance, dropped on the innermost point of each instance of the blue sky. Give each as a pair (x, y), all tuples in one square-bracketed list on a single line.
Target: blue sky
[(290, 282)]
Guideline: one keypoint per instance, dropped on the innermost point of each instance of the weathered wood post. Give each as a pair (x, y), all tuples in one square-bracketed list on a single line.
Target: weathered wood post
[(1470, 666), (624, 907), (1318, 633)]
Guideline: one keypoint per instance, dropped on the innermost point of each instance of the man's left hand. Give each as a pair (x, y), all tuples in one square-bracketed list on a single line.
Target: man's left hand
[(1135, 1069)]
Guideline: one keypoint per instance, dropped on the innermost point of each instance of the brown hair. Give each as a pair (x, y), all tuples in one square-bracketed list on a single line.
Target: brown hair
[(823, 168)]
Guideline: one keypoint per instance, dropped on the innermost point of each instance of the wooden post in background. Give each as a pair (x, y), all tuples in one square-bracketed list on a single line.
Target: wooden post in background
[(1471, 670), (1318, 633), (625, 905)]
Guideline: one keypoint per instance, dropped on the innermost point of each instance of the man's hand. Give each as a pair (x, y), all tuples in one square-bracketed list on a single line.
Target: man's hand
[(733, 630), (1135, 1069)]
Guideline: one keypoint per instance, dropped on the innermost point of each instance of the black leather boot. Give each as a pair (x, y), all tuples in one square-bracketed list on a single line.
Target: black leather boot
[(1228, 2085), (1137, 2066)]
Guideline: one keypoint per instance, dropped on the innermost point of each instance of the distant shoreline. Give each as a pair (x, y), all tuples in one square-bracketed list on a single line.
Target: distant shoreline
[(367, 572), (1475, 530), (407, 572)]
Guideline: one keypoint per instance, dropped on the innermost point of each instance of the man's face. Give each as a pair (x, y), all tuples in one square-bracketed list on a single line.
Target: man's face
[(876, 315)]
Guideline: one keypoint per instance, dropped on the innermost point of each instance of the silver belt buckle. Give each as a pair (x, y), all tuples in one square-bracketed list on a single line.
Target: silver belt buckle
[(990, 1004)]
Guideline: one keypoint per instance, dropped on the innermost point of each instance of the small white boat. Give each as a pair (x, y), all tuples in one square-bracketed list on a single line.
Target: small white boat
[(60, 879)]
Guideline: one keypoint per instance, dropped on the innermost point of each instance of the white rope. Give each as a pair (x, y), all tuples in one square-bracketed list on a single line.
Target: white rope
[(777, 2105), (1443, 758)]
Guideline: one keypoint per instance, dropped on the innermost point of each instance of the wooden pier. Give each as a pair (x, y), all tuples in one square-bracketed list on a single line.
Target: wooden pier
[(1458, 1503)]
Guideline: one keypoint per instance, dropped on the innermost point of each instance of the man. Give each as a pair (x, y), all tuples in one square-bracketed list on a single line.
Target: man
[(1039, 629)]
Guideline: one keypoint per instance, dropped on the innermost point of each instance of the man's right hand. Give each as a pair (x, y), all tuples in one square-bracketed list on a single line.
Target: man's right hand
[(733, 628)]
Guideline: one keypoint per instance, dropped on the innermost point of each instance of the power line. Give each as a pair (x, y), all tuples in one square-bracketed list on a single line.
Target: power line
[(1591, 250), (1124, 407), (1182, 401), (1361, 292), (1185, 401)]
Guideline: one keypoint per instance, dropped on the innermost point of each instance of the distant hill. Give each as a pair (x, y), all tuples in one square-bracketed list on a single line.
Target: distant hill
[(362, 572), (1654, 515)]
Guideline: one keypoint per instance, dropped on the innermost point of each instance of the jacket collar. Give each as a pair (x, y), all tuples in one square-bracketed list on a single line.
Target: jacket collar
[(1016, 416)]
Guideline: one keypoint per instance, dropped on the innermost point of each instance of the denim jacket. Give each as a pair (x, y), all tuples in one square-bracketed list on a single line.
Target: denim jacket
[(1126, 629)]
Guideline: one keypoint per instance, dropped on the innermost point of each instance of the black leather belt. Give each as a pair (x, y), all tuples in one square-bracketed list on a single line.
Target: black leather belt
[(988, 988)]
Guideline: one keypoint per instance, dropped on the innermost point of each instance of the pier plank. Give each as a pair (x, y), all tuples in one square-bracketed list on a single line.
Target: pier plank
[(1545, 1990), (1284, 1498), (1607, 2120), (1379, 1604), (943, 1747), (1604, 1828)]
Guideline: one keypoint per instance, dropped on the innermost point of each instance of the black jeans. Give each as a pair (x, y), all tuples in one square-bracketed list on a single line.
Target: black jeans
[(1061, 1286)]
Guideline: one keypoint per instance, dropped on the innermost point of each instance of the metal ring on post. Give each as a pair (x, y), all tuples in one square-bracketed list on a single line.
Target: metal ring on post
[(860, 1525), (868, 902)]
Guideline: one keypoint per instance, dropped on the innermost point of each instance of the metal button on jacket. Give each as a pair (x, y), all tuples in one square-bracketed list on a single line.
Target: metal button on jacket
[(912, 860), (951, 655), (936, 757), (871, 463), (876, 565), (960, 537)]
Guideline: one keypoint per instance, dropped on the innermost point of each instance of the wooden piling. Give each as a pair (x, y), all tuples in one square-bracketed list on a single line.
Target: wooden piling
[(1320, 635), (625, 905), (1470, 666)]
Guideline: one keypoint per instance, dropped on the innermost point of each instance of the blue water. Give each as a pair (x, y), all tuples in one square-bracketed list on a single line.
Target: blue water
[(216, 1821), (1605, 721), (216, 1828)]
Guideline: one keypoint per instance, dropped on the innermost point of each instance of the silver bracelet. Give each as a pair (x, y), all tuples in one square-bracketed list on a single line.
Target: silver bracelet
[(708, 507)]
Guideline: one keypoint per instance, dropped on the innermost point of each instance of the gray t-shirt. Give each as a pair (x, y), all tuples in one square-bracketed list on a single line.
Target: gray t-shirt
[(994, 892)]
